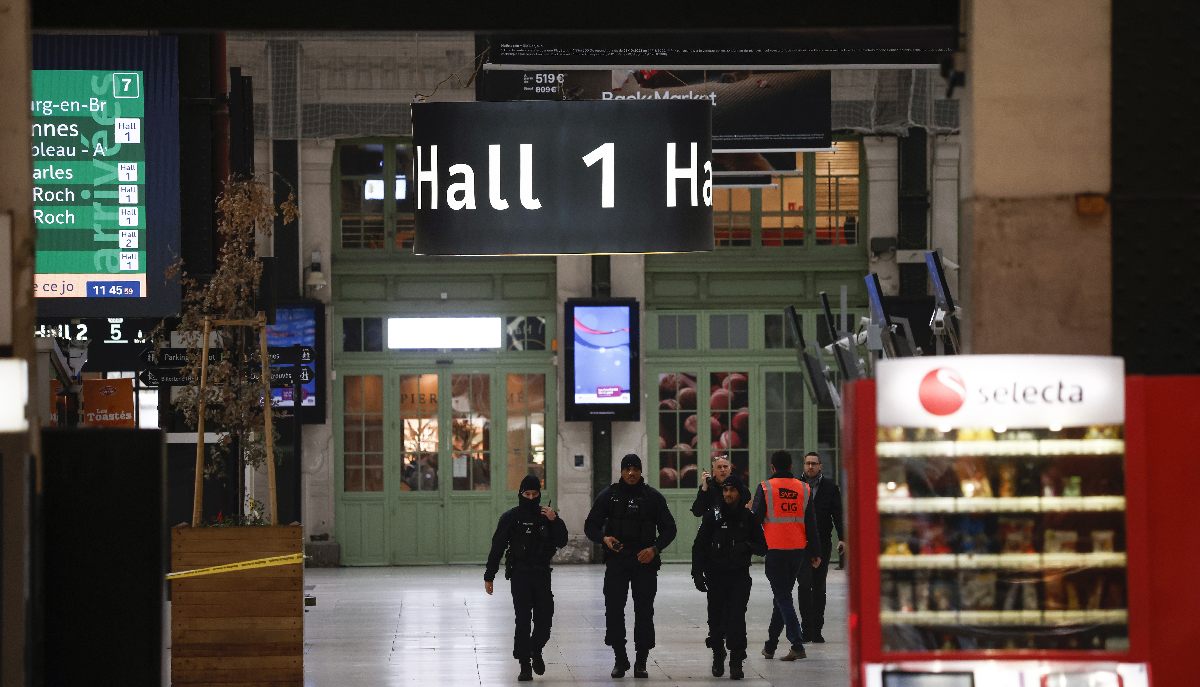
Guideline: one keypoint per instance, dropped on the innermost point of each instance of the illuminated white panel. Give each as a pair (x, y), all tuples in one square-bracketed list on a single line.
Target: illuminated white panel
[(373, 189), (444, 332), (14, 380)]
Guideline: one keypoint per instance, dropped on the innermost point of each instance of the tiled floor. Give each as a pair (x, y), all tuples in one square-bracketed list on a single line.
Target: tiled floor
[(436, 626)]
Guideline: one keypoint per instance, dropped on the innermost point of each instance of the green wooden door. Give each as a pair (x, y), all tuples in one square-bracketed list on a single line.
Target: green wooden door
[(429, 458)]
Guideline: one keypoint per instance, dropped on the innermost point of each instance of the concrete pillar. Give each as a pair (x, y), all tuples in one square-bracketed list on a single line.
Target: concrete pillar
[(1038, 118), (943, 225), (316, 234), (17, 306), (883, 204), (574, 497)]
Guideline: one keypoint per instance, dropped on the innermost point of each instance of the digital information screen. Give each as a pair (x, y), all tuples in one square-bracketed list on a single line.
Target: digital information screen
[(295, 326), (89, 182), (602, 354)]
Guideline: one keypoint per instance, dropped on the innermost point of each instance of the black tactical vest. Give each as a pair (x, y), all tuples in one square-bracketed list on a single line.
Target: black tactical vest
[(529, 543), (630, 519)]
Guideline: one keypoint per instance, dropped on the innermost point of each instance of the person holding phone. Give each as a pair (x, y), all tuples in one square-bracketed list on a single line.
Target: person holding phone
[(632, 522), (709, 495), (528, 536)]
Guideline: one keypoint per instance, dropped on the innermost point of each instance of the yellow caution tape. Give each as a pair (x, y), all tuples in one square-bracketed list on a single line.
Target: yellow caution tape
[(289, 559)]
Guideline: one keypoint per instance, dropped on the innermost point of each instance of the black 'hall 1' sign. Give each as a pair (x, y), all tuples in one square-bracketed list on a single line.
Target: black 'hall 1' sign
[(563, 177)]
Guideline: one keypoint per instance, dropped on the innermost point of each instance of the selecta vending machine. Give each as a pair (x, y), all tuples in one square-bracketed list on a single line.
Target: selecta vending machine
[(997, 525)]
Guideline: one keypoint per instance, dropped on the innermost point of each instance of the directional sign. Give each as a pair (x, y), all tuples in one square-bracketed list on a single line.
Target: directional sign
[(174, 357), (289, 355), (163, 376), (284, 376)]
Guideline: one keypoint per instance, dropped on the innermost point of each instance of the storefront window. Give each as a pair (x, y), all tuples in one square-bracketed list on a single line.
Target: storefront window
[(677, 430), (419, 422), (362, 433), (526, 428), (822, 194), (471, 432)]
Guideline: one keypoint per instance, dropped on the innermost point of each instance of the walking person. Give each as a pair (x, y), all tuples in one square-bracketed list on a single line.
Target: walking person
[(783, 505), (528, 536), (827, 502), (721, 555), (632, 522)]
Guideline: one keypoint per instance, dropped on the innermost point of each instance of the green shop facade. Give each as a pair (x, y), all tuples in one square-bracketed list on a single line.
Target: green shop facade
[(430, 445)]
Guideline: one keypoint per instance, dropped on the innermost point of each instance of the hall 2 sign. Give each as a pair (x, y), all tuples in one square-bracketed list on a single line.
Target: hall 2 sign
[(527, 178)]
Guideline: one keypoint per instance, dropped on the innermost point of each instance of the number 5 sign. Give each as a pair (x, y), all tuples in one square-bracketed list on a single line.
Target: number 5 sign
[(563, 177)]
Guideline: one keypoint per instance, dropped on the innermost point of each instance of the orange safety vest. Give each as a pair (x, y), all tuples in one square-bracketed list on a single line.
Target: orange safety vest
[(783, 525)]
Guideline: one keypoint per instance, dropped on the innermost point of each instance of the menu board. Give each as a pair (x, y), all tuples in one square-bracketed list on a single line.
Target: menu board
[(89, 181)]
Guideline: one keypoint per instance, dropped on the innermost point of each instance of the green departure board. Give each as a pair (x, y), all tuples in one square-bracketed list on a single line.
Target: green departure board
[(89, 183)]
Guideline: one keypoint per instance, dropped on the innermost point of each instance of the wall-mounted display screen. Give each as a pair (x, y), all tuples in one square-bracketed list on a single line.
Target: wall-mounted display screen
[(105, 146), (296, 342), (602, 341)]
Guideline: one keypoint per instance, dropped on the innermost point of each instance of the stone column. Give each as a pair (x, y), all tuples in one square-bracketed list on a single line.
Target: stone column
[(574, 497), (1038, 119), (883, 208), (943, 228)]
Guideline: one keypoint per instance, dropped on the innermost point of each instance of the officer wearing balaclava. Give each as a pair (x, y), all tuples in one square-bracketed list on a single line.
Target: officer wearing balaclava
[(632, 522), (528, 536), (727, 538)]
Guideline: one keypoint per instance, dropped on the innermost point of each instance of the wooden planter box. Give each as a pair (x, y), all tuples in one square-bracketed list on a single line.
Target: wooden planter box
[(237, 628)]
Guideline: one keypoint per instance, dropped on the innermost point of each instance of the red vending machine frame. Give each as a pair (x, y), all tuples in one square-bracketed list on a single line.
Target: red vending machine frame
[(867, 652)]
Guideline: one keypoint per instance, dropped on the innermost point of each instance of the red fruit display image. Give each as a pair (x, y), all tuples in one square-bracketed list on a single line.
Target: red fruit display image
[(690, 423), (730, 439), (668, 404), (686, 398), (721, 399), (741, 421), (735, 382)]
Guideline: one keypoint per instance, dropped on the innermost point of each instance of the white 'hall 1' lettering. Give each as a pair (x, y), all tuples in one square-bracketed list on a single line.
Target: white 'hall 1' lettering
[(460, 191)]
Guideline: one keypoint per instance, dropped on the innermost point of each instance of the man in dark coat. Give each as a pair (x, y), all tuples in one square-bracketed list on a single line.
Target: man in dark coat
[(530, 534), (721, 554), (708, 494), (827, 501), (631, 520)]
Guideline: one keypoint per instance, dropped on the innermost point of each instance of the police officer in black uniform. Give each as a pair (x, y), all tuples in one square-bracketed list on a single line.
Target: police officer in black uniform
[(631, 520), (721, 566), (531, 533)]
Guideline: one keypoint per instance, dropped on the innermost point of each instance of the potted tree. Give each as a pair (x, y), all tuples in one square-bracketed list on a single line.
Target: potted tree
[(237, 589)]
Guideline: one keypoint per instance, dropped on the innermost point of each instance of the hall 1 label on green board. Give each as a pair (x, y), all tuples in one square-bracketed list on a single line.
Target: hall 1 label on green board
[(89, 181)]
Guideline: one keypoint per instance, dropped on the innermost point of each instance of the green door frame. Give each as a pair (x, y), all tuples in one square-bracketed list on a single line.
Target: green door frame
[(444, 526)]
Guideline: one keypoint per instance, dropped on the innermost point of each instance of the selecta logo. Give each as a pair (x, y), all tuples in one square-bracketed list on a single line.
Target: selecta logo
[(942, 391)]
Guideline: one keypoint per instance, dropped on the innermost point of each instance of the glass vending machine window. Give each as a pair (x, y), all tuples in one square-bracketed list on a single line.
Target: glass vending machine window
[(994, 540), (897, 678)]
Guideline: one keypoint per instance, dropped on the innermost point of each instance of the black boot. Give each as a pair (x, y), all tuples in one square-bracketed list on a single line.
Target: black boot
[(639, 666), (539, 664), (718, 668), (621, 664), (526, 673), (735, 665)]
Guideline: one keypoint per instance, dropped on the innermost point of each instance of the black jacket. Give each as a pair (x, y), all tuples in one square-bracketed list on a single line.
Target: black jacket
[(726, 539), (553, 534), (827, 502), (653, 515), (810, 516), (706, 501)]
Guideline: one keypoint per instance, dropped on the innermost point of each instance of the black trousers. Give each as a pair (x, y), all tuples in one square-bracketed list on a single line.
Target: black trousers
[(533, 603), (814, 619), (619, 577), (728, 596), (785, 569)]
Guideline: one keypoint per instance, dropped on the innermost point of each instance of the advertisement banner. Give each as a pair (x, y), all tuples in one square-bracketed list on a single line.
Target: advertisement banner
[(105, 403), (545, 178), (759, 111)]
